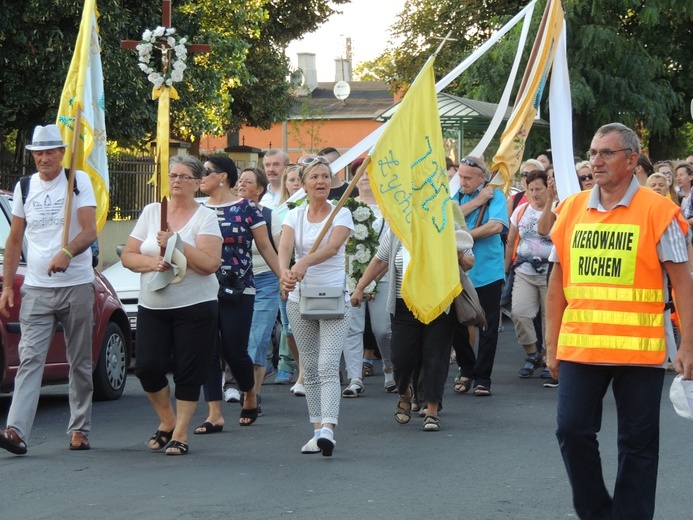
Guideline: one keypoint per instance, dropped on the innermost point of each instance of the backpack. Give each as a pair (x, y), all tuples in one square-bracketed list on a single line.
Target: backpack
[(25, 183)]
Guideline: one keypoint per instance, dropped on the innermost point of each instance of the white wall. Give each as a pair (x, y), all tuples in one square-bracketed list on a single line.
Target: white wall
[(111, 236)]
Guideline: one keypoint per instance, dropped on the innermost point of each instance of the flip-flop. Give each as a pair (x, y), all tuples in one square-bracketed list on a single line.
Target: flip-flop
[(249, 413), (161, 438), (207, 427), (177, 445)]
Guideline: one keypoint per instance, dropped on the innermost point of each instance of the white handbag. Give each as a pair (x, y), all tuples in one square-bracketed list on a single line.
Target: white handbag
[(322, 303)]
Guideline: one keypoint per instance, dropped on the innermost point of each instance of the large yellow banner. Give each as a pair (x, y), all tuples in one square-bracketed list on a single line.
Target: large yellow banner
[(84, 89), (407, 175), (512, 145)]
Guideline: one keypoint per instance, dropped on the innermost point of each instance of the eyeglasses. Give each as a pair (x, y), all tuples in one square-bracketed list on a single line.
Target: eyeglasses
[(471, 163), (310, 160), (584, 178), (525, 174), (210, 170), (182, 177), (605, 154)]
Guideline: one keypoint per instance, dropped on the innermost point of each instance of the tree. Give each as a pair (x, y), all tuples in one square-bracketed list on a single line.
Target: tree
[(626, 59), (241, 82)]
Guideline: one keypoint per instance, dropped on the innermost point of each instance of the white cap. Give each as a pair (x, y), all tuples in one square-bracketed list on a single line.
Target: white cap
[(681, 395)]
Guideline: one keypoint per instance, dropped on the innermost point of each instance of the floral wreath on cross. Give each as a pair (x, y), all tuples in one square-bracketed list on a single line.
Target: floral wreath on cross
[(173, 55)]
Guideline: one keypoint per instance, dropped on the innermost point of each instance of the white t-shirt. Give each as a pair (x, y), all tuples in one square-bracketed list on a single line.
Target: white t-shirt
[(532, 245), (194, 288), (259, 264), (44, 213), (331, 272)]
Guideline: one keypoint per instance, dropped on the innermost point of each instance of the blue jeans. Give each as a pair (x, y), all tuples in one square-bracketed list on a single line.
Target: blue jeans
[(637, 391), (264, 316), (286, 360)]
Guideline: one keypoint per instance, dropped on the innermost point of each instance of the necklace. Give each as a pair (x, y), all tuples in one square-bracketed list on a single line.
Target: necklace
[(48, 185)]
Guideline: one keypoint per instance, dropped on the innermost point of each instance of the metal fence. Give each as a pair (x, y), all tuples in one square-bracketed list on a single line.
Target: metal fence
[(128, 176), (129, 191)]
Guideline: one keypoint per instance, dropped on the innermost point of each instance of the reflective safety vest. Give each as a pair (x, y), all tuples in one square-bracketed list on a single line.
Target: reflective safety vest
[(612, 279)]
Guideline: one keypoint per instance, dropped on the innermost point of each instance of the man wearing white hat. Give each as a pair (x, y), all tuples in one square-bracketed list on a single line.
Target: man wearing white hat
[(58, 286)]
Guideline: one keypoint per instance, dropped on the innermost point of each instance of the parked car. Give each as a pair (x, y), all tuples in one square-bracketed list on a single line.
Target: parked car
[(111, 339), (127, 286)]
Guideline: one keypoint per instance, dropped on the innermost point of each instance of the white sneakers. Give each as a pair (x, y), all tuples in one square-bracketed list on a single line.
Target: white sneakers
[(311, 447), (232, 395), (322, 442), (298, 390)]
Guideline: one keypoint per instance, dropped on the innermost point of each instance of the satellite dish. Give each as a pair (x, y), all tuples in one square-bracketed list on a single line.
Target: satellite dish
[(297, 79), (341, 90)]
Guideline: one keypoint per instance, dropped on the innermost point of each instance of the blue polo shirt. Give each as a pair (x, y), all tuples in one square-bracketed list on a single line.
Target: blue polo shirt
[(489, 254)]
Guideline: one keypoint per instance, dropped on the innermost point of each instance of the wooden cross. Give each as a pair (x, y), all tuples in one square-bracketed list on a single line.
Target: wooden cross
[(166, 22), (163, 117)]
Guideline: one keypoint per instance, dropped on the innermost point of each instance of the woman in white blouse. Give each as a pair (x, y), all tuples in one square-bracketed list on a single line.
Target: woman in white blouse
[(319, 342)]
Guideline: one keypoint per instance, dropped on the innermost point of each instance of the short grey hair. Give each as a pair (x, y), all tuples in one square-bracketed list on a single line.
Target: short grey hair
[(278, 151), (629, 139), (196, 167)]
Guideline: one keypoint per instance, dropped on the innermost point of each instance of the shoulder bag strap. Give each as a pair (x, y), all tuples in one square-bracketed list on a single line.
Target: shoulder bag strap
[(267, 213)]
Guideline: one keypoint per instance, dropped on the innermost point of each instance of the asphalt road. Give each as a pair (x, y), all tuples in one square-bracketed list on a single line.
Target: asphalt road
[(495, 458)]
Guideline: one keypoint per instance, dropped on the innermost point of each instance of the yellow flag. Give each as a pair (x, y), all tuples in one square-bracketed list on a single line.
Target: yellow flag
[(84, 88), (407, 175), (512, 144)]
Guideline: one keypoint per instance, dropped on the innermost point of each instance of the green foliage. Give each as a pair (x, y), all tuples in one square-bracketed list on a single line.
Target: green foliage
[(627, 58), (242, 81)]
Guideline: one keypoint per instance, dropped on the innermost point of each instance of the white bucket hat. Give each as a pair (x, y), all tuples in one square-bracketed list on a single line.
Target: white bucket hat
[(46, 138)]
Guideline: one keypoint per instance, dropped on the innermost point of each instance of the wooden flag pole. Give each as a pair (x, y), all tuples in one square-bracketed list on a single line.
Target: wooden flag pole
[(164, 221), (71, 176), (340, 204)]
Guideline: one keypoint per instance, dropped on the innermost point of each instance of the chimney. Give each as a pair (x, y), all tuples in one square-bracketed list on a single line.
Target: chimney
[(306, 62), (342, 69)]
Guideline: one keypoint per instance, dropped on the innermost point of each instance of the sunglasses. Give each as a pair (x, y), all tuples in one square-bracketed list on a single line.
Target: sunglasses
[(587, 177), (471, 163), (310, 160), (210, 170)]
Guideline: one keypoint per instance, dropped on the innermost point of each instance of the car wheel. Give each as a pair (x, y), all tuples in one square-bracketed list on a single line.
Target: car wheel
[(111, 369)]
